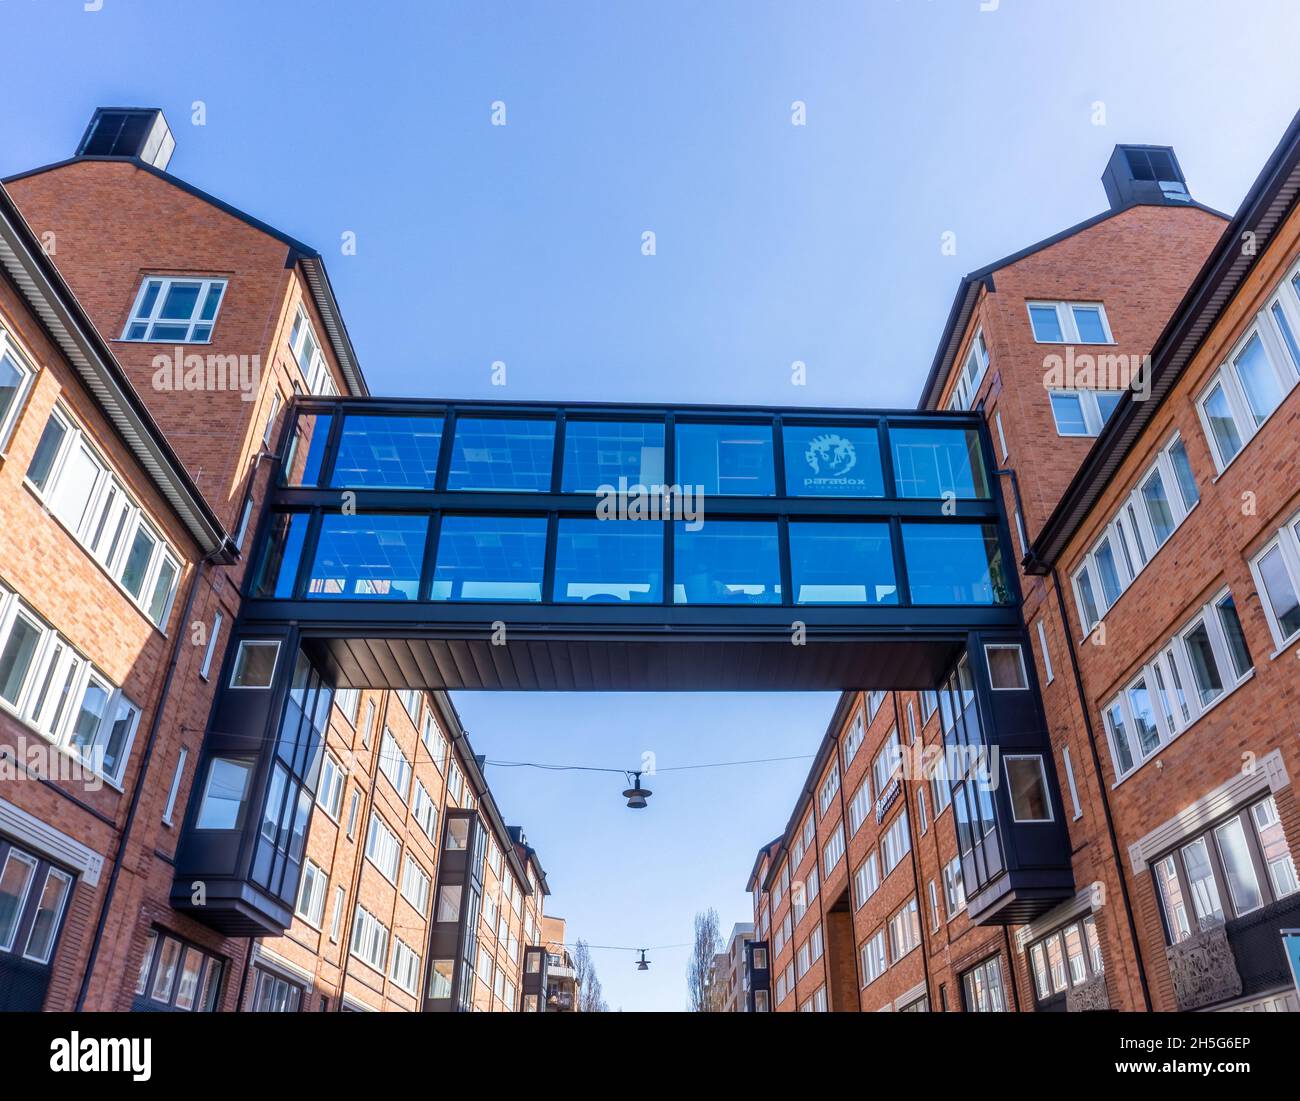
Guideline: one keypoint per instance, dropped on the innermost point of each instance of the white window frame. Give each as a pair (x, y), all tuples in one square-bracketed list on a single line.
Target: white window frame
[(206, 666), (173, 790), (405, 969), (153, 321), (1131, 536), (897, 833), (860, 805), (329, 792), (1069, 777), (1089, 407), (315, 371), (312, 892), (236, 665), (833, 850), (382, 843), (1066, 322), (874, 958), (1287, 374), (111, 518), (1020, 656), (1048, 674), (417, 885), (395, 765), (1286, 541), (974, 366), (826, 793), (1169, 680), (11, 349), (857, 734), (53, 689)]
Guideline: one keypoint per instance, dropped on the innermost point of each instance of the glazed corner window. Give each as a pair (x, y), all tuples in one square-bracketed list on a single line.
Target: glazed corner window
[(224, 794), (1006, 666), (254, 664), (1069, 323), (16, 375), (1027, 788), (180, 311)]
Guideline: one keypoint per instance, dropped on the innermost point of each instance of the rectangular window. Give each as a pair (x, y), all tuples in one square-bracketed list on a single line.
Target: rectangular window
[(210, 649), (1277, 576), (336, 917), (394, 764), (223, 798), (309, 357), (896, 842), (1082, 412), (16, 375), (497, 558), (887, 762), (954, 887), (609, 561), (1006, 667), (311, 894), (174, 790), (982, 988), (874, 958), (866, 880), (832, 461), (833, 849), (842, 562), (727, 562), (329, 795), (425, 811), (938, 463), (830, 786), (254, 664), (368, 557), (382, 451), (369, 939), (1069, 776), (1069, 323), (406, 966), (175, 310), (726, 459), (1042, 646), (382, 848), (853, 739), (502, 453), (954, 563), (904, 931), (1246, 390), (1027, 787)]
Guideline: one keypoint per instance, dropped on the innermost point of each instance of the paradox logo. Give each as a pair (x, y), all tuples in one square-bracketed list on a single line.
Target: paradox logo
[(831, 458), (104, 1055)]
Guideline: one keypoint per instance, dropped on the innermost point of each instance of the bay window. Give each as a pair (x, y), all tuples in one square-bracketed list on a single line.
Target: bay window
[(1066, 957)]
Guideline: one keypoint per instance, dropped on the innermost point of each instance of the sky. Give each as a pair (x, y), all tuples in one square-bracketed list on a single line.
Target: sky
[(477, 244)]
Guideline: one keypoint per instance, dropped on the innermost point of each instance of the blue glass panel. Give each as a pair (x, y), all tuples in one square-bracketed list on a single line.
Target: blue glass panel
[(842, 563), (949, 563), (934, 462), (726, 458), (280, 555), (388, 452), (497, 453), (302, 466), (823, 461), (727, 562), (368, 557), (609, 561), (490, 558), (599, 453)]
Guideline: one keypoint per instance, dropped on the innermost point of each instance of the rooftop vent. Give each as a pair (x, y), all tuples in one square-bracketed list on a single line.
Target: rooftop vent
[(1144, 174), (137, 133)]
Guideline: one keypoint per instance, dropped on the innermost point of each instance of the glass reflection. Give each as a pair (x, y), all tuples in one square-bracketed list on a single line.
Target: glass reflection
[(954, 563), (368, 557), (609, 561), (599, 453), (935, 462), (727, 562), (280, 555), (832, 461), (388, 452), (499, 453), (729, 459), (490, 558), (842, 563), (302, 464)]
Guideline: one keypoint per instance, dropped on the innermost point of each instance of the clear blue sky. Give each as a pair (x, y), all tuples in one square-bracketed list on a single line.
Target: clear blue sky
[(775, 243)]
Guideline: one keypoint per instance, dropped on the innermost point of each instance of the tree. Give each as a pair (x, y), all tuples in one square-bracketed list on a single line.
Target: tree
[(708, 943), (590, 997)]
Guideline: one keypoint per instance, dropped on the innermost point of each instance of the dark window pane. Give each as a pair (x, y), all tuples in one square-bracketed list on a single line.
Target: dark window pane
[(281, 555), (302, 466), (599, 453), (609, 561), (1236, 638), (502, 454), (368, 558), (388, 452), (180, 301), (38, 470), (935, 462), (727, 562), (842, 563), (490, 558), (954, 564), (726, 458), (832, 462)]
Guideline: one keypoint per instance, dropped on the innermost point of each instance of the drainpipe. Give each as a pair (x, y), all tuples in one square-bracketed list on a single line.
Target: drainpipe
[(119, 858), (1101, 788)]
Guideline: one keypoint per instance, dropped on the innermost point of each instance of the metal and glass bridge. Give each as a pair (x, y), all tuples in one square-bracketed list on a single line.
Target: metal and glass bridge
[(412, 544)]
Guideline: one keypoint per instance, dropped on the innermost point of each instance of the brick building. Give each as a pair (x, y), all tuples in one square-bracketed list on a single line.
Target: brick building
[(151, 338), (1155, 505), (729, 977)]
